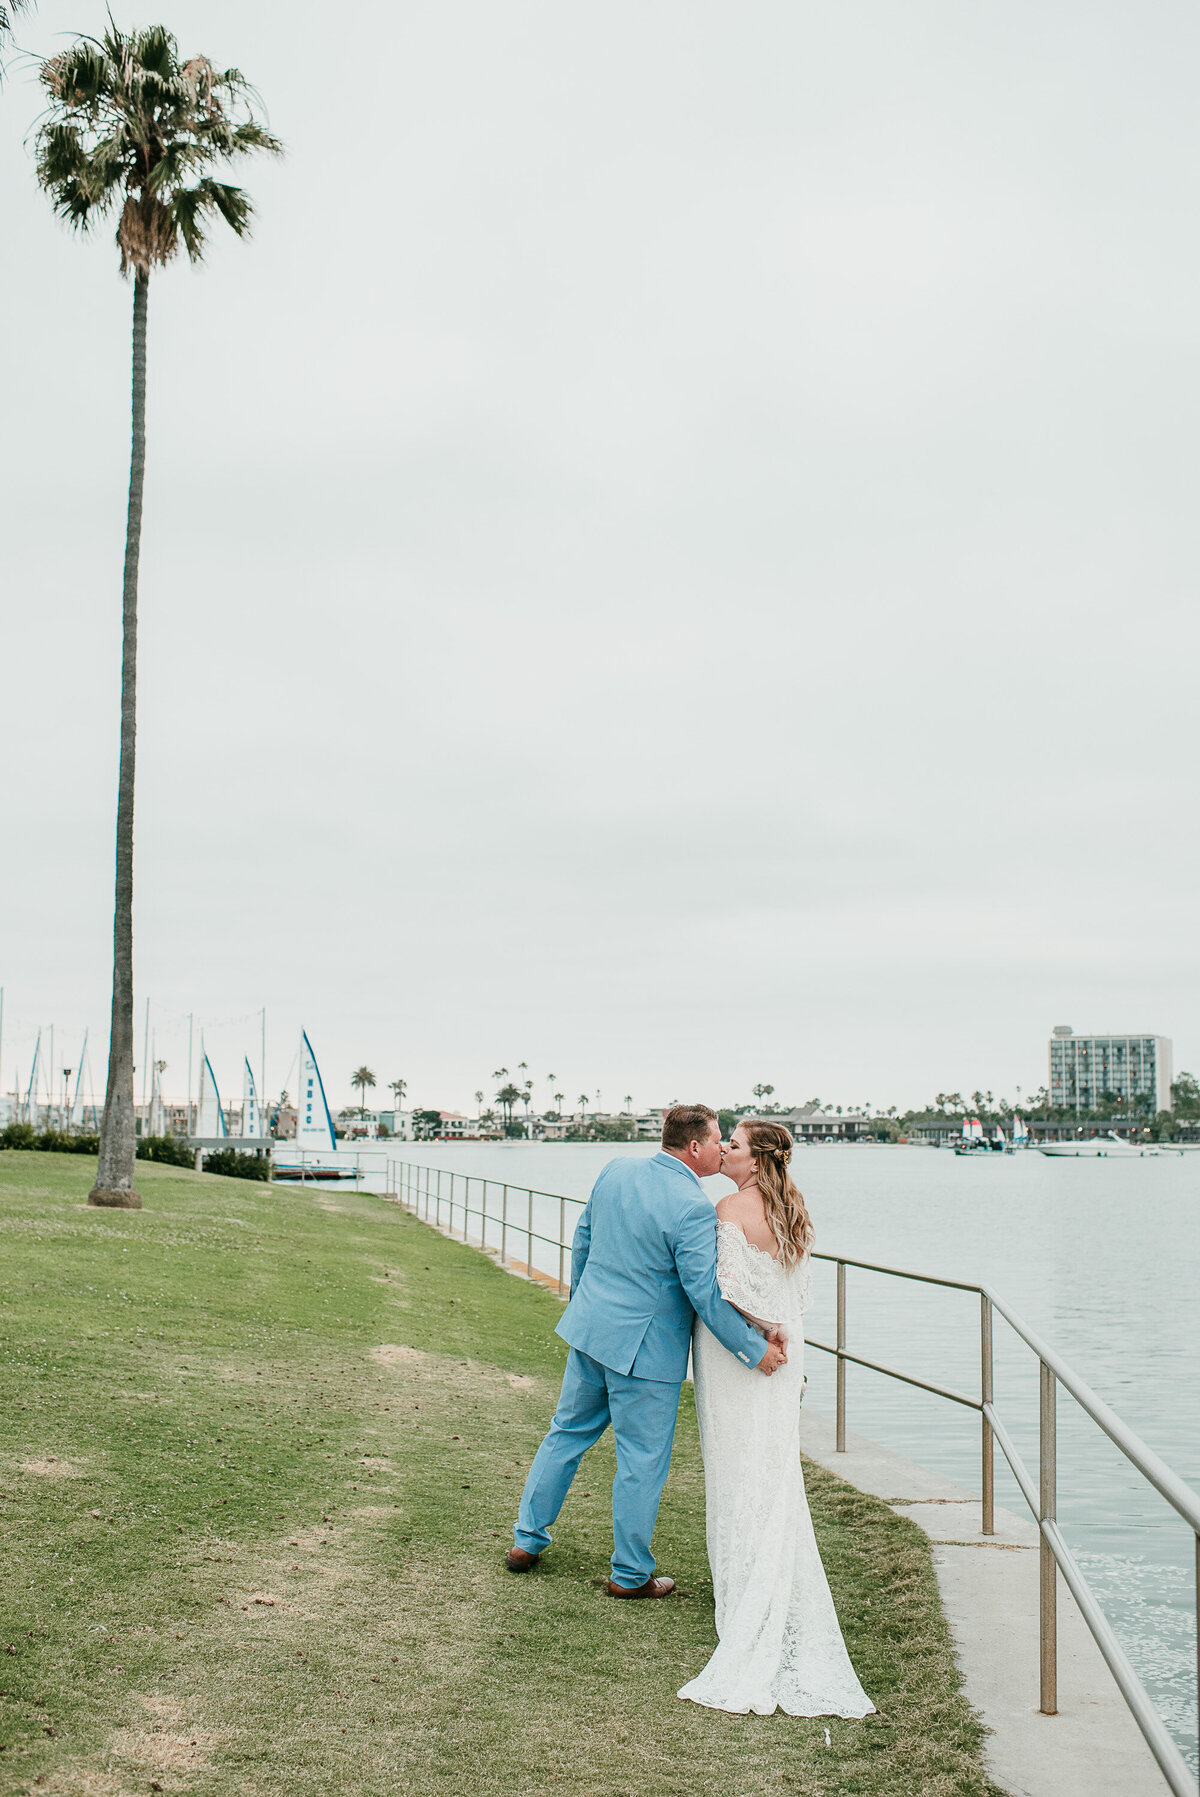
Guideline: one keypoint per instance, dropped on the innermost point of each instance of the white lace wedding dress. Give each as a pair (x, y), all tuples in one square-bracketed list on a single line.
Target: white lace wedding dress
[(780, 1645)]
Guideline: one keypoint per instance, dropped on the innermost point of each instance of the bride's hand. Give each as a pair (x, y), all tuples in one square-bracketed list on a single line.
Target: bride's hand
[(775, 1356)]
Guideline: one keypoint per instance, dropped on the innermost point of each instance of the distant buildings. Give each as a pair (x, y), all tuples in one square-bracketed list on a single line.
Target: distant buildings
[(809, 1124), (1087, 1073)]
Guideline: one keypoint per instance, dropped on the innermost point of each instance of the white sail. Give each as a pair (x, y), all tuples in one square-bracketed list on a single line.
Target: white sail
[(75, 1113), (156, 1122), (314, 1125), (31, 1095), (251, 1115), (212, 1118), (1020, 1132)]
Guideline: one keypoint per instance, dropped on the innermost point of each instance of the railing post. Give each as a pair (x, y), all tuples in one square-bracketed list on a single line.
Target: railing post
[(467, 1209), (988, 1521), (439, 1197), (483, 1216), (562, 1229), (841, 1364), (1048, 1505), (529, 1249), (504, 1227)]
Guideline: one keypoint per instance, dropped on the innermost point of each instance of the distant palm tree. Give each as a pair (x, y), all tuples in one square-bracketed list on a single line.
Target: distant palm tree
[(478, 1102), (362, 1077), (527, 1095), (129, 125), (506, 1097), (583, 1103), (397, 1088), (628, 1101)]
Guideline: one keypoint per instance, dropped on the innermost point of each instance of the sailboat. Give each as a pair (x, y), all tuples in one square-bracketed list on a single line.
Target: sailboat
[(309, 1156), (31, 1095), (251, 1115), (212, 1117), (156, 1122), (972, 1138), (1020, 1135)]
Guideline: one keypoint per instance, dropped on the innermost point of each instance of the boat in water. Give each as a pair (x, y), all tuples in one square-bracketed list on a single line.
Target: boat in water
[(1107, 1147), (975, 1142), (312, 1153)]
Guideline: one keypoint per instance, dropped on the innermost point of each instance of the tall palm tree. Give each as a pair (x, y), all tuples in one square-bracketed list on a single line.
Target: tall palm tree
[(398, 1088), (628, 1101), (128, 124), (362, 1077), (583, 1103), (478, 1102)]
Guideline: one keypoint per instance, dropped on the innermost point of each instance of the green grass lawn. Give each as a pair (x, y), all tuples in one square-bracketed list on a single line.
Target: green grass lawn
[(261, 1453)]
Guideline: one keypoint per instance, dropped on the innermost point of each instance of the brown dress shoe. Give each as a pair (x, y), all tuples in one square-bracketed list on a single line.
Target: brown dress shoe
[(517, 1560), (652, 1588)]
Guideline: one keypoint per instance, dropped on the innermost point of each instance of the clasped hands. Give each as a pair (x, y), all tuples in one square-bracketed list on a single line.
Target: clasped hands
[(776, 1354)]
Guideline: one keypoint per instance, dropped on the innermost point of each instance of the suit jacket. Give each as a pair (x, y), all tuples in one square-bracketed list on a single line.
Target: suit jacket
[(643, 1264)]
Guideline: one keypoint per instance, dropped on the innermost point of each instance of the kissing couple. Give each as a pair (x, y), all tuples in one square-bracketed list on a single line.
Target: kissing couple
[(654, 1272)]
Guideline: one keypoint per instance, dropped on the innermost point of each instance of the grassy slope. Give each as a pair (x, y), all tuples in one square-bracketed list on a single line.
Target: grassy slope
[(193, 1420)]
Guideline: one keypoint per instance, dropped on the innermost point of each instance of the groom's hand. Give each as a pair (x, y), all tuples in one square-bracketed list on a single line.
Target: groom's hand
[(775, 1356)]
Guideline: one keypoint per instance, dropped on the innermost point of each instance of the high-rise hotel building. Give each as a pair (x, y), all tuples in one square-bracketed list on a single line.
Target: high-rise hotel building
[(1084, 1068)]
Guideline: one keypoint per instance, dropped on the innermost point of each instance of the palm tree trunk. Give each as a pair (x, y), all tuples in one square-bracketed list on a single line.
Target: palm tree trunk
[(118, 1144)]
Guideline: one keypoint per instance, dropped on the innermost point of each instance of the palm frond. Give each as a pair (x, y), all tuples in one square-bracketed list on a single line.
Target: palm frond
[(191, 207), (8, 12)]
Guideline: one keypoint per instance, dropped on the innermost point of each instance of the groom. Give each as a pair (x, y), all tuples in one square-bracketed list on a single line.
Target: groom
[(643, 1264)]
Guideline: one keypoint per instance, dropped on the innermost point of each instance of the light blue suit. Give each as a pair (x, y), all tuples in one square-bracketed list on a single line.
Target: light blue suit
[(643, 1265)]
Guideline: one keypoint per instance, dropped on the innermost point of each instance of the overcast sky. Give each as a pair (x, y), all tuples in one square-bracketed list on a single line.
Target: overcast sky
[(671, 556)]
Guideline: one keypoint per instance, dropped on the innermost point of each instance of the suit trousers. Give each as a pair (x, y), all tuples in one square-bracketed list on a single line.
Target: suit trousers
[(642, 1413)]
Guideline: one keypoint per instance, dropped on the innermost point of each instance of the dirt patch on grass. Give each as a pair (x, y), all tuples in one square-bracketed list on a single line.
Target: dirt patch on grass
[(519, 1381), (162, 1751), (72, 1781), (391, 1354), (51, 1468), (165, 1709)]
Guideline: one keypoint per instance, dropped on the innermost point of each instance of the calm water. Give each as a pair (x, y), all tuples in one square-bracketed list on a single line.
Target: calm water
[(1102, 1257)]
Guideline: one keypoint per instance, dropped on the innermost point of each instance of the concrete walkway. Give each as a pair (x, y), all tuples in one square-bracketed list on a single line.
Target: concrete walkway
[(989, 1589)]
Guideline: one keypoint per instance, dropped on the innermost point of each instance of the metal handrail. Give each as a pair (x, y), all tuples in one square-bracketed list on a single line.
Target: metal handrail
[(434, 1198), (1040, 1495)]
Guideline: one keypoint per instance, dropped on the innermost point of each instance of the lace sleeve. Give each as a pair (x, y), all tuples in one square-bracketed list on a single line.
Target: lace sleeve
[(743, 1283)]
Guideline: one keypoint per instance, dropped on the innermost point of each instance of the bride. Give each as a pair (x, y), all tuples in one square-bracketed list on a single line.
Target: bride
[(779, 1641)]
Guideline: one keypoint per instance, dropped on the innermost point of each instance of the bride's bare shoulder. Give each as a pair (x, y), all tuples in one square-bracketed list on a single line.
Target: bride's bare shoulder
[(741, 1208), (745, 1211)]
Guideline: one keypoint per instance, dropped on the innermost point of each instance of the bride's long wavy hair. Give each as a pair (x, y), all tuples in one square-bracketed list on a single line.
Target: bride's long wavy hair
[(787, 1213)]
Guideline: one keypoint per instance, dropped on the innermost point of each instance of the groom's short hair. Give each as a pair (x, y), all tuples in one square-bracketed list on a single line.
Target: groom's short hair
[(685, 1123)]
